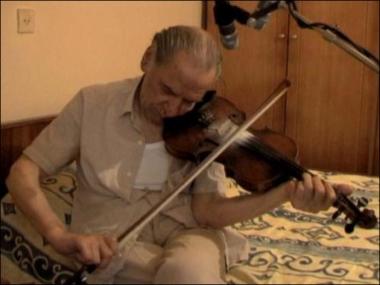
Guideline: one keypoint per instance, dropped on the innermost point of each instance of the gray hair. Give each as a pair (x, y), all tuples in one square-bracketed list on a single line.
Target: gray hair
[(193, 40)]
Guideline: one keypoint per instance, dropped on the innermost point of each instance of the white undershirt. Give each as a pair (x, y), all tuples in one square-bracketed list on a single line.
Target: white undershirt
[(154, 167)]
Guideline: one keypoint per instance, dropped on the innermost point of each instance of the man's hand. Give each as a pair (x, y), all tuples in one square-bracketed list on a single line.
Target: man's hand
[(314, 195), (88, 249)]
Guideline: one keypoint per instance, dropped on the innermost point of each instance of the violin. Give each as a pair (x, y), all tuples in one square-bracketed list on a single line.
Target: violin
[(258, 160)]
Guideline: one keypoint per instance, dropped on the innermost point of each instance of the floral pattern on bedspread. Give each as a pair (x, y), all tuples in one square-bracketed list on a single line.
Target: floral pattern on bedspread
[(287, 246)]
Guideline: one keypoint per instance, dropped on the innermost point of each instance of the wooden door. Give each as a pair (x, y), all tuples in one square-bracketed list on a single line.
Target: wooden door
[(373, 167), (332, 105), (251, 72)]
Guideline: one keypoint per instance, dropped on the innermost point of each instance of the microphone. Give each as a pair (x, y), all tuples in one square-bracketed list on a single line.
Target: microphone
[(225, 14), (224, 18), (260, 16)]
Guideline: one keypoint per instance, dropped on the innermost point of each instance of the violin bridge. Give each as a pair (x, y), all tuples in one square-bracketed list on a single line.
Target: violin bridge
[(220, 131)]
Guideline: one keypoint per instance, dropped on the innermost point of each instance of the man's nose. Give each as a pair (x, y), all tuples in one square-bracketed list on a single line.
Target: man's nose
[(176, 106)]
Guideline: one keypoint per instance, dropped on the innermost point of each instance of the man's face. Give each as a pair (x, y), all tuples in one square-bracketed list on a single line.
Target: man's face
[(173, 88)]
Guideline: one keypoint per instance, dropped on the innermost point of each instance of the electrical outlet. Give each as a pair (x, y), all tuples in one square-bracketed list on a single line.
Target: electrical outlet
[(25, 20)]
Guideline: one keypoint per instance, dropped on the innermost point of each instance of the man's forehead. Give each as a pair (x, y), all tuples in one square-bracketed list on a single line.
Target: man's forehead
[(190, 67), (193, 78), (195, 82)]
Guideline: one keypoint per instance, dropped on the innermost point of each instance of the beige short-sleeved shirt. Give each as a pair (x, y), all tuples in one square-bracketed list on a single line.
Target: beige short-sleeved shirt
[(97, 130)]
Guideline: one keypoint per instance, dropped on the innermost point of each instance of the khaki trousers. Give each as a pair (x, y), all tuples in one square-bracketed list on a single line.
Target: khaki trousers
[(166, 253)]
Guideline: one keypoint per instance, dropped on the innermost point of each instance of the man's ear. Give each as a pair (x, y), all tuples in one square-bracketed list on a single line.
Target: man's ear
[(147, 59)]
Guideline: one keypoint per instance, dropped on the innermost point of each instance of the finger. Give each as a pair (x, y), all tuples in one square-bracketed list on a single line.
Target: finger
[(307, 181), (106, 254), (319, 191), (290, 188), (80, 258), (104, 263), (84, 253), (308, 193), (330, 195), (105, 249), (299, 197), (111, 242), (95, 249), (344, 189)]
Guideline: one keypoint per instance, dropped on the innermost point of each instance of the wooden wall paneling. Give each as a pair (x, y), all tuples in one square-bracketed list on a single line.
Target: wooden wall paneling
[(14, 138), (251, 72), (328, 111)]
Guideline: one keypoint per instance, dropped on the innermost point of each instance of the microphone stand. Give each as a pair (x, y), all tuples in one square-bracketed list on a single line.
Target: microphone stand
[(127, 237), (329, 33), (336, 37)]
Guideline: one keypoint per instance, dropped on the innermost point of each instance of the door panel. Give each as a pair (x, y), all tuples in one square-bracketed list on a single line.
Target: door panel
[(332, 105)]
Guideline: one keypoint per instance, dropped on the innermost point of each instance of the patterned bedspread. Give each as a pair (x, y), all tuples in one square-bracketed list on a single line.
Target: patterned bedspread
[(287, 246)]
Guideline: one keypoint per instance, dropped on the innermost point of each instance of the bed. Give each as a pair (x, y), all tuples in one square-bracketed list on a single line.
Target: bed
[(287, 246)]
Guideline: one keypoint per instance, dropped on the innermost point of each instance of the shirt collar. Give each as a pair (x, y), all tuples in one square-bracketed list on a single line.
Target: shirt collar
[(131, 94)]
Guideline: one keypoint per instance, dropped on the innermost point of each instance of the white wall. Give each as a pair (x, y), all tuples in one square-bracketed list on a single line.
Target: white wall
[(77, 44)]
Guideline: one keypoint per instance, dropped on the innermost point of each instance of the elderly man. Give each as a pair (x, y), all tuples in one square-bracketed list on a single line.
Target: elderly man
[(113, 132)]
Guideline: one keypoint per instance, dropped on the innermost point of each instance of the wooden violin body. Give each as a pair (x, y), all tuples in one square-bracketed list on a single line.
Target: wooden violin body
[(187, 137), (258, 161)]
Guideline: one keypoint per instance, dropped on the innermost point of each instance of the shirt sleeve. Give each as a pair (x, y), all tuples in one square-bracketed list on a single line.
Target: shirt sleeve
[(212, 180), (58, 144)]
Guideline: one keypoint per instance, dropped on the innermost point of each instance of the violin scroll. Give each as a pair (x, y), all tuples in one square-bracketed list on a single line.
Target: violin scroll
[(365, 218)]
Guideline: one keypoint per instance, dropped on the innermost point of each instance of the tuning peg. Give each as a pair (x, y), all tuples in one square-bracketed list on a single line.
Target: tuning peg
[(362, 202), (349, 228), (337, 213)]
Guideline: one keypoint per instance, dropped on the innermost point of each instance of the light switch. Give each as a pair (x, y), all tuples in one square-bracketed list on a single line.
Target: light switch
[(25, 20)]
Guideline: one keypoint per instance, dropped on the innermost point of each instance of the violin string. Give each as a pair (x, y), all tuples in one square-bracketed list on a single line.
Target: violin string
[(252, 143), (343, 203)]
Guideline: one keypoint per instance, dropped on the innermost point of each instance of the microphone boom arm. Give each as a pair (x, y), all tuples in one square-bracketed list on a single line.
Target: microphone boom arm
[(331, 34), (343, 42)]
